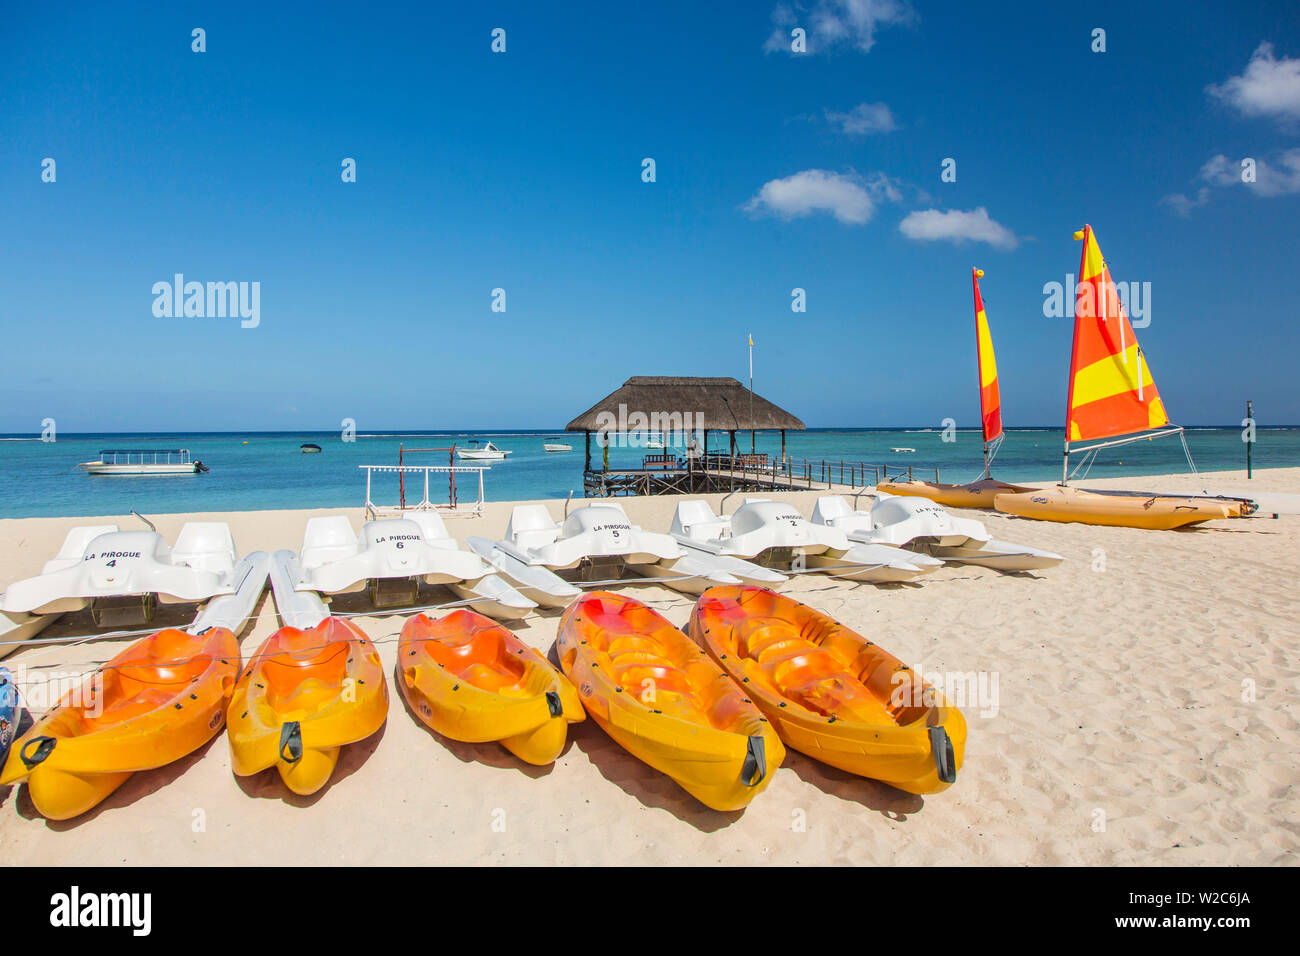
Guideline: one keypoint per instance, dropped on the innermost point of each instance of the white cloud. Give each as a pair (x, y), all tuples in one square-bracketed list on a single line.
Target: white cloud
[(849, 198), (1182, 205), (955, 225), (1281, 178), (1269, 87), (814, 190), (833, 23), (864, 118)]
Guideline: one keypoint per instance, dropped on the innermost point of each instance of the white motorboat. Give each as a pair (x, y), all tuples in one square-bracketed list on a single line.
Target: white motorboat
[(921, 525), (904, 451), (121, 576), (556, 444), (654, 441), (148, 462), (600, 543), (392, 556), (482, 451), (775, 535)]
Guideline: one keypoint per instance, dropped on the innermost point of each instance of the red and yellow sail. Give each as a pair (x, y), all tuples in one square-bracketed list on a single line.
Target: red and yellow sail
[(1111, 388), (990, 401)]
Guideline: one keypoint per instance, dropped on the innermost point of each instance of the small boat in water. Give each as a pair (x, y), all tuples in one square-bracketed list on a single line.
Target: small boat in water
[(309, 448), (151, 462), (556, 444), (482, 451)]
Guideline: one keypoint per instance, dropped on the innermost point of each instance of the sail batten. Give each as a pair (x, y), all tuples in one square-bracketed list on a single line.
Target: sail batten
[(1111, 392)]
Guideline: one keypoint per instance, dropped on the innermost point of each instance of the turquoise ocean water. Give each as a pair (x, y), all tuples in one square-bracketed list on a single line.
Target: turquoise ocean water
[(266, 470)]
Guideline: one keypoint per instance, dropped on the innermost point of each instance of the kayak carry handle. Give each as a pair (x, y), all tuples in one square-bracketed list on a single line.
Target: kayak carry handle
[(291, 742), (755, 767), (945, 760), (554, 704), (44, 747)]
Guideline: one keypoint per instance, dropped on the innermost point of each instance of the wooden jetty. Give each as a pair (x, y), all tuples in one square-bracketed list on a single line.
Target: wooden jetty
[(687, 406)]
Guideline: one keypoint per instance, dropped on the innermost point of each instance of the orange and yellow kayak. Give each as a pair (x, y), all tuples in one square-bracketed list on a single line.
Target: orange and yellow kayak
[(471, 679), (831, 693), (665, 702), (976, 494), (162, 698), (1159, 512), (305, 694)]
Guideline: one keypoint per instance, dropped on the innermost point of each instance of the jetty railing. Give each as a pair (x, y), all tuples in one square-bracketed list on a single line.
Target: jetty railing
[(454, 505), (716, 471)]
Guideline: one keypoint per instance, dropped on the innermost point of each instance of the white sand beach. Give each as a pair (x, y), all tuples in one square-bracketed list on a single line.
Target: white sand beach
[(1123, 682)]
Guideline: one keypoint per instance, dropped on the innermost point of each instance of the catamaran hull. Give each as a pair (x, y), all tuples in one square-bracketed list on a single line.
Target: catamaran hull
[(976, 494), (1154, 512)]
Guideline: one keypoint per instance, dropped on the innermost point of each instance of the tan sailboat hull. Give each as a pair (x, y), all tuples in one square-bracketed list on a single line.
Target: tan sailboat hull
[(976, 494), (1157, 512)]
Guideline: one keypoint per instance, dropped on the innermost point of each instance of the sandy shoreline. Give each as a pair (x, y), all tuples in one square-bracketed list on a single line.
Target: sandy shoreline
[(1120, 690)]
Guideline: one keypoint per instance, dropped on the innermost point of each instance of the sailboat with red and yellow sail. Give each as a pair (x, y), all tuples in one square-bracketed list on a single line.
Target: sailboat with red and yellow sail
[(981, 493), (1112, 400)]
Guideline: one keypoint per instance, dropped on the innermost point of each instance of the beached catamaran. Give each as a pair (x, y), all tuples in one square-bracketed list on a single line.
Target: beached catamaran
[(975, 494), (1112, 400)]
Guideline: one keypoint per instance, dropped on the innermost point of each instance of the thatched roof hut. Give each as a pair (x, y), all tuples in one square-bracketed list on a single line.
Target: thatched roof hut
[(681, 403), (721, 404)]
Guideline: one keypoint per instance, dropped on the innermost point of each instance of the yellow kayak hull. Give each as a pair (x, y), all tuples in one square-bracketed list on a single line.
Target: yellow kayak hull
[(304, 695), (832, 694), (662, 700), (471, 679), (160, 699)]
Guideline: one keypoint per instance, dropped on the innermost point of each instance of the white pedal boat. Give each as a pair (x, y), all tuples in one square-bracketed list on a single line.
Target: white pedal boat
[(599, 542), (391, 556), (921, 525), (775, 534), (121, 576)]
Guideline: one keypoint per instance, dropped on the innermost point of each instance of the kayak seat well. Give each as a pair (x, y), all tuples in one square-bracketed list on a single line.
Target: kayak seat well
[(484, 661), (817, 667), (660, 670)]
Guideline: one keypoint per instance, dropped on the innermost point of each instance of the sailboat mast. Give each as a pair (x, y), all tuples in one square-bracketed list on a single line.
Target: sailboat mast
[(1069, 396)]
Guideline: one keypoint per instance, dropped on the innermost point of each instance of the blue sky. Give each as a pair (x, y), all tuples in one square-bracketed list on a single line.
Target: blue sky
[(522, 170)]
